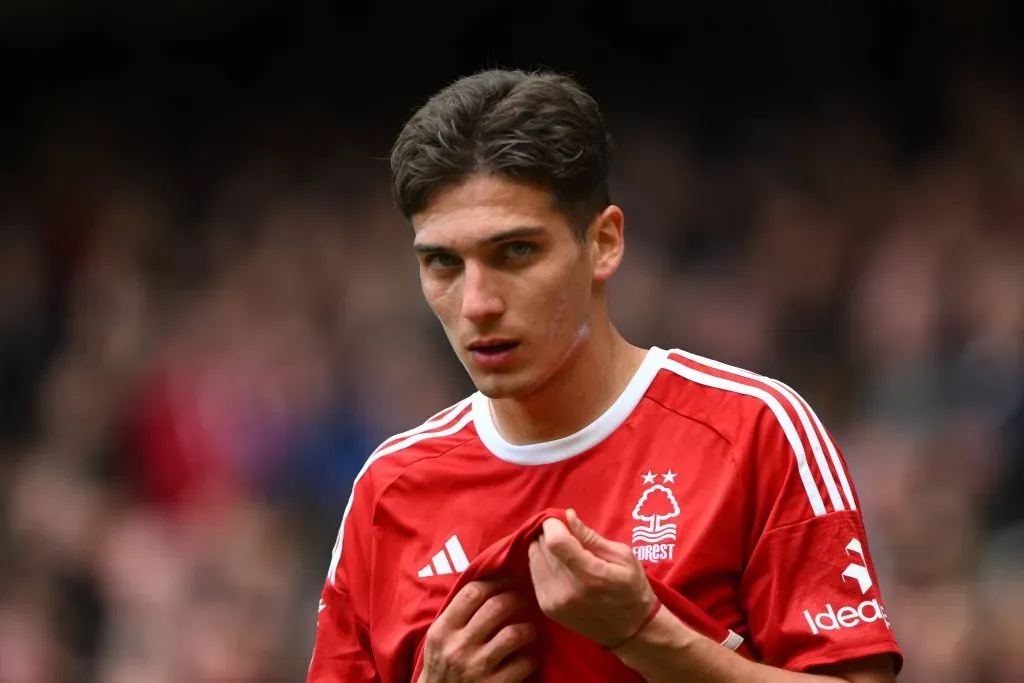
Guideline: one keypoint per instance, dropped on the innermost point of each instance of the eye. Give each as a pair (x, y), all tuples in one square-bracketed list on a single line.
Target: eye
[(441, 260), (518, 250)]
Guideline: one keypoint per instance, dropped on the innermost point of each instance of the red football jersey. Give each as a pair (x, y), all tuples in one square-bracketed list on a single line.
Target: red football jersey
[(725, 484), (561, 654)]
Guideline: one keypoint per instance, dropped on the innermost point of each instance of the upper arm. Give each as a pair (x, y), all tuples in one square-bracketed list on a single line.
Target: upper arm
[(809, 586), (342, 649), (874, 669)]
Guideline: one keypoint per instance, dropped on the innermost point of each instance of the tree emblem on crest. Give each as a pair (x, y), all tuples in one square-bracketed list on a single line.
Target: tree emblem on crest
[(656, 504)]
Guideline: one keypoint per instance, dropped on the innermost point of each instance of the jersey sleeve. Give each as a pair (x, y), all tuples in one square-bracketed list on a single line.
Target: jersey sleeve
[(341, 651), (809, 586)]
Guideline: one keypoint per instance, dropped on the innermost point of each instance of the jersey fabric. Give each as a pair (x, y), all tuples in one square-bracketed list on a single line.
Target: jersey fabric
[(562, 655), (725, 484)]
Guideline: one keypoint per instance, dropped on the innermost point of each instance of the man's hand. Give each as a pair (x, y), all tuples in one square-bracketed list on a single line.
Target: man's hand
[(472, 641), (587, 583)]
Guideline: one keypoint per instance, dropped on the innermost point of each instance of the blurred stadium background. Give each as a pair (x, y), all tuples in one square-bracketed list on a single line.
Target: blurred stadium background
[(209, 314)]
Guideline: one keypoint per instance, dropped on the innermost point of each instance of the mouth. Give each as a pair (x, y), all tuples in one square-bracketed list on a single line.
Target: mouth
[(492, 354), (493, 347)]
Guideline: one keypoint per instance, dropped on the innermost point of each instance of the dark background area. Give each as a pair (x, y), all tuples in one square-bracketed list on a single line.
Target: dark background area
[(718, 66)]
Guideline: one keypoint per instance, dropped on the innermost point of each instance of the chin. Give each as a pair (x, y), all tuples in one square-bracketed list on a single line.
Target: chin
[(503, 386)]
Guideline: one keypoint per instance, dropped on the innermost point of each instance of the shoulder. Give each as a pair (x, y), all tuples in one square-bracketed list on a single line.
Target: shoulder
[(440, 433), (777, 437), (736, 401)]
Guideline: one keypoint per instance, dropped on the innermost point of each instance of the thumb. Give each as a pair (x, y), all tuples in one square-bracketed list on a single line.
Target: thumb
[(590, 539)]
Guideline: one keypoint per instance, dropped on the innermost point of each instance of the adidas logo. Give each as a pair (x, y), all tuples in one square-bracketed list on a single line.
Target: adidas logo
[(451, 562)]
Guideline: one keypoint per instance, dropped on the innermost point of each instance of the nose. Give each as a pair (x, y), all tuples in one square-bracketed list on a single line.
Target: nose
[(481, 297)]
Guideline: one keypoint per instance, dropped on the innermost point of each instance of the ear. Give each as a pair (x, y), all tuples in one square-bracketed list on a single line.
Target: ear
[(606, 242)]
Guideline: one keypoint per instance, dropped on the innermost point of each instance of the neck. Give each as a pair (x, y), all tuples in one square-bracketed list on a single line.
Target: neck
[(588, 383)]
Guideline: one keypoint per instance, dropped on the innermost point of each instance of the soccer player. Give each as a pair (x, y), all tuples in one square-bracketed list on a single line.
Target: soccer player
[(661, 468)]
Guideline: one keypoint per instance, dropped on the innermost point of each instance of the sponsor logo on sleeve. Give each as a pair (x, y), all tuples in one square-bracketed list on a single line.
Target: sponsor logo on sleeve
[(847, 616)]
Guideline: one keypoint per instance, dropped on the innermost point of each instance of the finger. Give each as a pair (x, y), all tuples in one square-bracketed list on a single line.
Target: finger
[(544, 570), (593, 541), (565, 549), (584, 534), (495, 612), (551, 561), (540, 564), (465, 604), (516, 671), (506, 641)]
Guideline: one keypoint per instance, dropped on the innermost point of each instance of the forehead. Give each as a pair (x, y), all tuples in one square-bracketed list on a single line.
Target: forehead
[(483, 206)]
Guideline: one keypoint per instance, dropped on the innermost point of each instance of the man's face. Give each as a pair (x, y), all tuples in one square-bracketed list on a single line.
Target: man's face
[(508, 279)]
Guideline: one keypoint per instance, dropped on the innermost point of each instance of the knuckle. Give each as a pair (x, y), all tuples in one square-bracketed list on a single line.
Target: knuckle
[(472, 592), (499, 604), (433, 638), (523, 633), (508, 637), (475, 671), (492, 605), (446, 647), (451, 653)]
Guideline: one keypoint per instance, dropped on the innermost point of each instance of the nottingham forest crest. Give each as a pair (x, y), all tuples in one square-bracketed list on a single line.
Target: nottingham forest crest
[(654, 538)]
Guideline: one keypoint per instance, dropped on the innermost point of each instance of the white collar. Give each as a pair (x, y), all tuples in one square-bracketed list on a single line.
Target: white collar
[(594, 433)]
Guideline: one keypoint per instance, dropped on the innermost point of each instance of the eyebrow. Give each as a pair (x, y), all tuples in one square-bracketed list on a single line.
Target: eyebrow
[(510, 234)]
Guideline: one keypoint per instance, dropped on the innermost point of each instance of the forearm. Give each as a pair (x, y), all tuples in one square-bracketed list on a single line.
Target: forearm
[(667, 651)]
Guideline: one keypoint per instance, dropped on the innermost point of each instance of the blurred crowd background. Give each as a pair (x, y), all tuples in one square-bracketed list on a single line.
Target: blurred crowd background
[(210, 314)]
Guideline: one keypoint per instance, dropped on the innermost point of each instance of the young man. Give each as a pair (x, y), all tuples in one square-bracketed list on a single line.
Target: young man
[(661, 470)]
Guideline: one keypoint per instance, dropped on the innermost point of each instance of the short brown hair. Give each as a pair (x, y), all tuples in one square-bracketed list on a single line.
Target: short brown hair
[(536, 127)]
